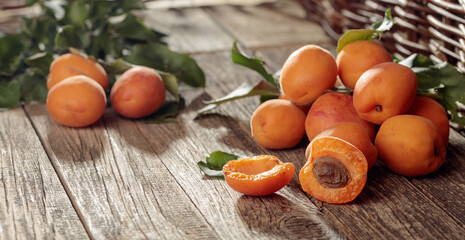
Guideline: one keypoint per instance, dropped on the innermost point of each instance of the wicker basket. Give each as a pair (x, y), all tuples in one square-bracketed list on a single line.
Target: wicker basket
[(435, 28)]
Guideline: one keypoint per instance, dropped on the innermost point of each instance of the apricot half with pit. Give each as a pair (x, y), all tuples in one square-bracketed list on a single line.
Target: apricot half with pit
[(335, 172)]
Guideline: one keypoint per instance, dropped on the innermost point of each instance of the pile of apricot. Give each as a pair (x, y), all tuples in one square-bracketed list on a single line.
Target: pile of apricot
[(381, 118), (77, 87)]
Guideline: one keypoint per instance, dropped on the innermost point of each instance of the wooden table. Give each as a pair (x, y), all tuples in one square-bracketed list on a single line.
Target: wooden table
[(125, 179)]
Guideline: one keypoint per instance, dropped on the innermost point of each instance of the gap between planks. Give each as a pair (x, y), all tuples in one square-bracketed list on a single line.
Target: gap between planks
[(60, 177)]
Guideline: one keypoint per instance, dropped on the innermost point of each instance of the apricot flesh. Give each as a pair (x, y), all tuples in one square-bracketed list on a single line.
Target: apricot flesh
[(353, 161), (258, 176), (307, 73), (357, 57), (410, 145), (77, 101), (138, 92), (70, 64), (384, 91), (278, 124), (432, 110), (333, 108)]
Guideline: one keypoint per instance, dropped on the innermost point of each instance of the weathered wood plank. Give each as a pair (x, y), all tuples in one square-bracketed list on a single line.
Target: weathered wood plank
[(117, 181), (190, 30), (389, 207), (273, 24), (33, 202), (287, 214)]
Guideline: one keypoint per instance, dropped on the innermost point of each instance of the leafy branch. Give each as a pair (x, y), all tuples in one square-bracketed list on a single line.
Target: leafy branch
[(105, 30)]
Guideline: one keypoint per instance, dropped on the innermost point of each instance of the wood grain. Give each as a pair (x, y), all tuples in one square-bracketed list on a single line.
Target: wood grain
[(268, 25), (190, 30), (33, 202), (117, 181), (288, 214)]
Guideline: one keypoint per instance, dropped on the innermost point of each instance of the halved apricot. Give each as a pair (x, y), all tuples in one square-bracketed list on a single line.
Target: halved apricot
[(259, 175), (336, 171)]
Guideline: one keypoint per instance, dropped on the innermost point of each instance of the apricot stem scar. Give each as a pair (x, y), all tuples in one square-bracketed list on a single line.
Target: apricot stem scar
[(330, 172), (378, 108)]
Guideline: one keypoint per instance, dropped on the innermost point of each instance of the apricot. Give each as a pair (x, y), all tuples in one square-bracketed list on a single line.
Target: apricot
[(335, 172), (432, 110), (330, 109), (77, 101), (258, 176), (357, 57), (410, 145), (383, 91), (71, 64), (307, 73), (138, 92), (354, 134), (278, 124), (304, 109)]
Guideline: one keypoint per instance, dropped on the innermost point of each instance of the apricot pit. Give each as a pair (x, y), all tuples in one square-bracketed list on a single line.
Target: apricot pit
[(330, 172)]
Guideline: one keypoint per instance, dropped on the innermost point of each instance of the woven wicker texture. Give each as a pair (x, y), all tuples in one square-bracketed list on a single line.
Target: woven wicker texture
[(435, 28)]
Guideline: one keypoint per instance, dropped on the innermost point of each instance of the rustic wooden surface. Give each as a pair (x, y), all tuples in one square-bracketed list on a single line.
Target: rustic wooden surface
[(125, 179)]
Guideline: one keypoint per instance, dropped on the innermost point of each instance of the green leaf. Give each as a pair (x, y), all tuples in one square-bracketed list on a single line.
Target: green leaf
[(9, 93), (41, 32), (117, 67), (385, 24), (171, 83), (33, 87), (40, 60), (128, 5), (132, 27), (374, 32), (10, 54), (262, 88), (440, 81), (159, 56), (210, 172), (354, 35), (255, 64), (77, 13), (213, 166), (67, 37), (167, 113)]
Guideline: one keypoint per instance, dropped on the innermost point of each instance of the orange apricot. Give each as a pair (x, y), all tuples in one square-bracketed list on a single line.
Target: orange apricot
[(335, 172), (410, 145), (307, 73), (77, 101), (432, 110), (278, 124), (304, 108), (258, 176), (138, 92), (357, 57), (354, 134), (71, 64), (383, 91), (330, 109)]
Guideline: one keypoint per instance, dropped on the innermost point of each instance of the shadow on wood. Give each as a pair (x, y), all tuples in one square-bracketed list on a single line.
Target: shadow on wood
[(279, 217)]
